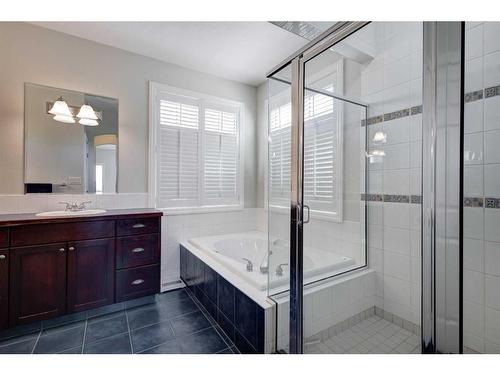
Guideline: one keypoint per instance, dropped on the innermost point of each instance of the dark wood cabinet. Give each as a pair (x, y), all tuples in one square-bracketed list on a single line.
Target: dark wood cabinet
[(53, 266), (90, 274), (4, 288), (134, 251), (37, 282), (137, 282)]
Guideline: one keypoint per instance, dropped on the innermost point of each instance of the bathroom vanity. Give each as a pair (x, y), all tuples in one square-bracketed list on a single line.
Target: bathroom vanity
[(51, 266)]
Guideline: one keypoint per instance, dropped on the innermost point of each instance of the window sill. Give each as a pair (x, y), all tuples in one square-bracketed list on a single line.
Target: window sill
[(200, 210), (314, 215)]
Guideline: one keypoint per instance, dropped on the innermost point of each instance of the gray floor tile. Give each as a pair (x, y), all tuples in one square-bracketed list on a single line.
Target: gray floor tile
[(189, 323), (204, 342), (105, 328), (171, 346), (119, 344), (150, 336), (23, 347), (54, 341)]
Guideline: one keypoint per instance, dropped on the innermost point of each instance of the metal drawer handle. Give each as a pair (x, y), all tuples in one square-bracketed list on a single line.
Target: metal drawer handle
[(71, 248), (62, 250), (140, 225), (2, 257), (138, 250), (137, 282)]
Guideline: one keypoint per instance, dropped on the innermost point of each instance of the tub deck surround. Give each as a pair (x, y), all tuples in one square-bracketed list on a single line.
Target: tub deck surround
[(239, 316), (52, 266), (233, 251)]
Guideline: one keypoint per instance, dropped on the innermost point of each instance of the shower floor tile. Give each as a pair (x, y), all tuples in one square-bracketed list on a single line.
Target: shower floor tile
[(373, 335)]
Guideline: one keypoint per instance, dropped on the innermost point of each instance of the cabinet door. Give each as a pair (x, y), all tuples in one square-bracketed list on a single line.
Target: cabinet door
[(37, 282), (90, 274), (4, 288)]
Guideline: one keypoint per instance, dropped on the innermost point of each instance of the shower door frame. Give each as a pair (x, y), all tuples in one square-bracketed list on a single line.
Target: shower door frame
[(442, 166)]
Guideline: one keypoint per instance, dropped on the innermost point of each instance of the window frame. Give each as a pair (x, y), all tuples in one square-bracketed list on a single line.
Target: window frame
[(156, 88), (336, 216)]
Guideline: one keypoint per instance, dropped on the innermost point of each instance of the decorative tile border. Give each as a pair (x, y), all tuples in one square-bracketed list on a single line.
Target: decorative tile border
[(492, 202), (416, 199), (491, 91), (392, 198), (488, 92), (473, 96), (412, 111), (486, 202), (473, 202), (372, 197)]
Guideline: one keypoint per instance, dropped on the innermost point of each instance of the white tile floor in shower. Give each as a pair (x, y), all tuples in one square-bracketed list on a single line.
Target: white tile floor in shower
[(372, 335)]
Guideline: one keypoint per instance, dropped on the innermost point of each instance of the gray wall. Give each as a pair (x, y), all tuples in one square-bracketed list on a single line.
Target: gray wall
[(37, 55)]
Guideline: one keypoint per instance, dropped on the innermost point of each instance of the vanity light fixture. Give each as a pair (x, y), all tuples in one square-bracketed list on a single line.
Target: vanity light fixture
[(61, 111), (87, 116)]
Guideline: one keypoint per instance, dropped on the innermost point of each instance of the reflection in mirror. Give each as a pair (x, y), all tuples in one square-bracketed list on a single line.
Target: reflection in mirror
[(70, 141)]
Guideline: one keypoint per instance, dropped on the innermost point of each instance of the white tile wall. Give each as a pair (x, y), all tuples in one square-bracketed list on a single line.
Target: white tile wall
[(394, 231), (32, 203), (179, 228), (482, 159)]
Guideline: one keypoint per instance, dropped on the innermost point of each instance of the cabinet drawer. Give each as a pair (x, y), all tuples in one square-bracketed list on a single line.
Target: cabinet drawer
[(137, 282), (137, 226), (35, 234), (4, 238), (137, 251)]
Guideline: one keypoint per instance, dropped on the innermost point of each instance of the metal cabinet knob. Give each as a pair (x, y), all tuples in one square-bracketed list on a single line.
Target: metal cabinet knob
[(62, 249), (2, 257), (137, 282), (139, 225), (71, 248), (138, 250)]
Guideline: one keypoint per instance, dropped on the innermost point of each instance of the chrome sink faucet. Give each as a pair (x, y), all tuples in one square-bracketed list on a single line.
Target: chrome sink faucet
[(75, 207)]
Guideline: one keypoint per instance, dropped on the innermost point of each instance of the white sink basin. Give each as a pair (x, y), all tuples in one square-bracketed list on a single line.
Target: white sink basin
[(71, 213)]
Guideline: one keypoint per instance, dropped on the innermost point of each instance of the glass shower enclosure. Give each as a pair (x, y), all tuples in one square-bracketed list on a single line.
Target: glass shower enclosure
[(344, 191)]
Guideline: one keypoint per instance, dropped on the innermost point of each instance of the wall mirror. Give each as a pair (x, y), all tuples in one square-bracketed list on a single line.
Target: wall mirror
[(70, 141)]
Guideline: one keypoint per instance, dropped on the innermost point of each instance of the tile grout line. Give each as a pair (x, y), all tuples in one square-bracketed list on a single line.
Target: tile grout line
[(36, 342), (84, 334), (212, 325), (129, 334)]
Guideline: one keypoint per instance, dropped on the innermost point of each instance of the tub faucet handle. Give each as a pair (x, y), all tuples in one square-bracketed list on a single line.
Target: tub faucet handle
[(249, 264), (279, 269)]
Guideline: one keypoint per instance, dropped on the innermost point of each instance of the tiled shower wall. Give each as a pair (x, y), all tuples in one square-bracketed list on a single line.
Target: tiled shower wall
[(391, 84), (482, 188)]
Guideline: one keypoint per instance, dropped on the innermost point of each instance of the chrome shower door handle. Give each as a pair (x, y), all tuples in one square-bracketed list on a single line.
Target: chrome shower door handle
[(249, 264), (308, 214)]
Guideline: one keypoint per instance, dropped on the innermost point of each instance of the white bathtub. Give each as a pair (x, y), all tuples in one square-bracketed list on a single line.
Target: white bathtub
[(229, 251)]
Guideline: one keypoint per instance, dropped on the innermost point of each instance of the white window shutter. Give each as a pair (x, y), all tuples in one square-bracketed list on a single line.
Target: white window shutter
[(221, 161), (178, 152), (197, 151)]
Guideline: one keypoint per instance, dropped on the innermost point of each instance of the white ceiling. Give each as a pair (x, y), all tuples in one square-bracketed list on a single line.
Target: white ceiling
[(239, 51)]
